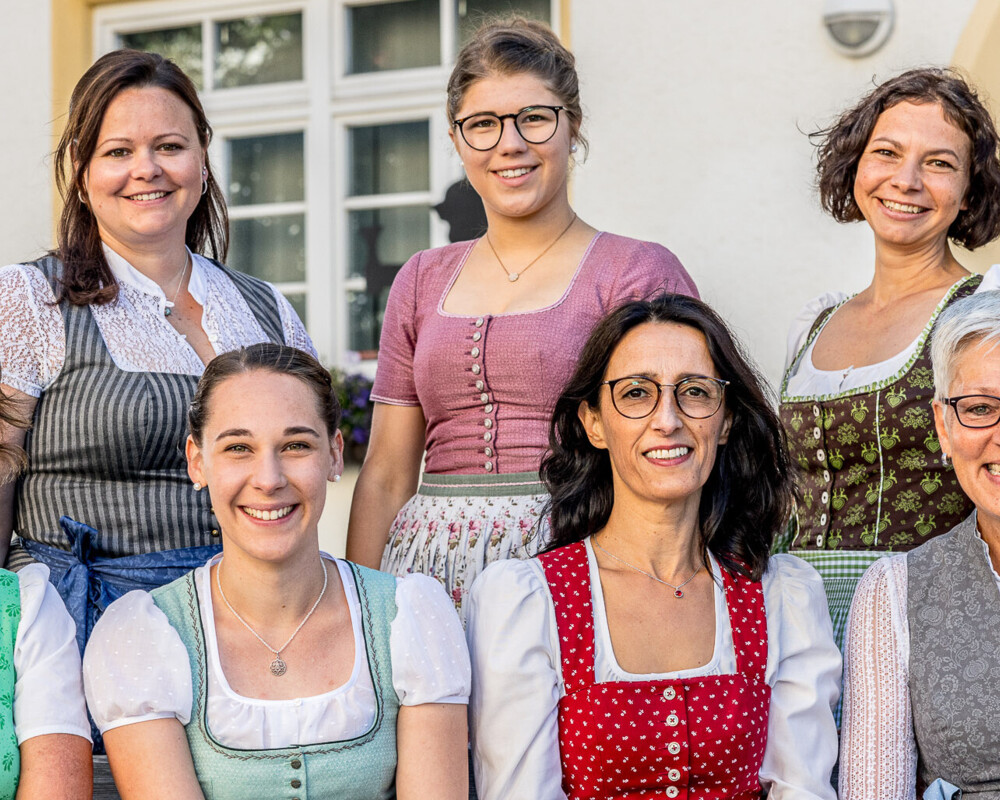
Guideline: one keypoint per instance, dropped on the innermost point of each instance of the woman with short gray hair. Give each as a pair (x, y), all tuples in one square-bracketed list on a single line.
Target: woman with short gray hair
[(921, 700)]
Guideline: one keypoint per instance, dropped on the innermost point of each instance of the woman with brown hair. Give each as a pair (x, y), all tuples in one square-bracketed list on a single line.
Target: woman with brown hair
[(103, 340), (480, 336)]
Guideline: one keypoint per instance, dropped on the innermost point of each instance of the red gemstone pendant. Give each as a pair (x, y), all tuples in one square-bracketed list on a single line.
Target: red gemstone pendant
[(678, 593)]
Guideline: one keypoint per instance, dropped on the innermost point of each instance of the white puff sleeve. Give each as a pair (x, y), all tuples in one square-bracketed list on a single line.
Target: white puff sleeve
[(430, 660), (517, 684), (878, 750), (48, 688), (32, 333), (805, 670), (798, 331), (135, 667)]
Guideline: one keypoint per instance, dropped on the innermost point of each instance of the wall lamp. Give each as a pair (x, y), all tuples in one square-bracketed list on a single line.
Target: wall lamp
[(858, 27)]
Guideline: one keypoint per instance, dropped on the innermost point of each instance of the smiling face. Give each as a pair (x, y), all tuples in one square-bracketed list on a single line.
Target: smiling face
[(265, 456), (975, 452), (913, 175), (515, 178), (144, 179), (667, 457)]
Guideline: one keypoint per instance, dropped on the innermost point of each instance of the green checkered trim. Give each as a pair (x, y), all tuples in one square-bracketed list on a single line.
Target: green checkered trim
[(841, 565)]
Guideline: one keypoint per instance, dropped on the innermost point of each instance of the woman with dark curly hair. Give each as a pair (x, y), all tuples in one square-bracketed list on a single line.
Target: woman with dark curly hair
[(917, 160), (656, 648)]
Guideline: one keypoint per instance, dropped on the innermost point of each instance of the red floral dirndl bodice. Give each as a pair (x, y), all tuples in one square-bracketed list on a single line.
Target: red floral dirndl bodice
[(697, 738)]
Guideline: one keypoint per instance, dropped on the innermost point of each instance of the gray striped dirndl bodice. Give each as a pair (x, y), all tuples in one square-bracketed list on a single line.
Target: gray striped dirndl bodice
[(106, 446)]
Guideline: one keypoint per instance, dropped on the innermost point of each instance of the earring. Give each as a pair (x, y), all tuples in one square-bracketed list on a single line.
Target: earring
[(80, 195), (204, 180), (198, 487), (336, 479), (573, 148), (944, 459)]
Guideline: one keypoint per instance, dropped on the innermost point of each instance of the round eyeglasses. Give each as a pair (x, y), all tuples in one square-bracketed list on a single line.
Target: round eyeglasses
[(975, 410), (535, 124), (636, 397)]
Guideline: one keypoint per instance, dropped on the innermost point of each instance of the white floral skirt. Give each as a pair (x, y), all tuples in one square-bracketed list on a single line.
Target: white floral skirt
[(455, 525)]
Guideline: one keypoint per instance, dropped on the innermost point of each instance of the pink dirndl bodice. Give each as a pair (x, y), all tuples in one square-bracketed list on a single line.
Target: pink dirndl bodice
[(694, 738)]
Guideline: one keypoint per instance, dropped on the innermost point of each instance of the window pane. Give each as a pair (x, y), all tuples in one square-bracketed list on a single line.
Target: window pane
[(396, 233), (256, 50), (298, 302), (398, 35), (472, 13), (272, 248), (364, 315), (266, 169), (390, 158), (181, 45)]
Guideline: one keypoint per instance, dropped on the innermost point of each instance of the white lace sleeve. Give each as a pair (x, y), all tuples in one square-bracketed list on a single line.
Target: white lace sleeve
[(803, 322), (32, 334), (878, 752), (292, 327)]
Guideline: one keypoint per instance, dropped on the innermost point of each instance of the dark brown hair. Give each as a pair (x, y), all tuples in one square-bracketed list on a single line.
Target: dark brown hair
[(842, 144), (87, 278), (512, 46), (12, 458), (264, 357), (748, 496)]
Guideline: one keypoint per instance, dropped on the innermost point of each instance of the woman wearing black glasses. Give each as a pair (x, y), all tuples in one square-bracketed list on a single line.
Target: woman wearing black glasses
[(656, 649), (478, 337), (921, 699)]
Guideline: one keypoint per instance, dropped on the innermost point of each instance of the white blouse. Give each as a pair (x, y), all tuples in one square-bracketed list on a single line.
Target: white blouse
[(878, 749), (48, 687), (138, 337), (136, 668), (513, 641), (809, 381)]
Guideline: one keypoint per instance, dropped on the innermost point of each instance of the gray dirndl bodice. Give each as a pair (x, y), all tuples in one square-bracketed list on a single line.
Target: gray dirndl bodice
[(953, 608), (106, 446)]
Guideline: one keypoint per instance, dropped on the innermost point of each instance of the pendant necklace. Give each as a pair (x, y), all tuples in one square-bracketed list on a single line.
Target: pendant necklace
[(277, 667), (513, 276), (677, 589), (168, 310)]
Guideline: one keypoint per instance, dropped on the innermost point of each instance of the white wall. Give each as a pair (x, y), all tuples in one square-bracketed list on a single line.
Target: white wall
[(25, 130), (696, 118)]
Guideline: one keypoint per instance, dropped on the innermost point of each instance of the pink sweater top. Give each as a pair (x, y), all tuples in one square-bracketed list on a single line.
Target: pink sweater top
[(487, 385)]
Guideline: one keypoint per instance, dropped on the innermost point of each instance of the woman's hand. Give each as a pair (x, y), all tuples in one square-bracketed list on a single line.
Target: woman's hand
[(388, 479), (432, 752), (24, 406), (56, 766), (152, 761)]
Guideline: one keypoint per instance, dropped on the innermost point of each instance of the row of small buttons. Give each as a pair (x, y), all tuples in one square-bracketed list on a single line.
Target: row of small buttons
[(481, 387), (674, 747)]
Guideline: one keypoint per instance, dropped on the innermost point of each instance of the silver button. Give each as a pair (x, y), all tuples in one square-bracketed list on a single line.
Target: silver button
[(480, 385), (826, 476), (822, 520), (476, 369), (488, 451), (488, 423), (815, 411), (819, 540), (669, 693), (488, 408), (674, 774), (484, 397), (479, 324), (820, 455), (489, 466), (475, 352), (487, 436), (477, 336), (816, 433), (672, 720), (824, 498), (672, 791), (674, 748)]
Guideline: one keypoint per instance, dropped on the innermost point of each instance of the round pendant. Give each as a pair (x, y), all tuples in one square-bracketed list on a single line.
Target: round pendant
[(513, 276), (167, 311), (678, 593), (278, 667)]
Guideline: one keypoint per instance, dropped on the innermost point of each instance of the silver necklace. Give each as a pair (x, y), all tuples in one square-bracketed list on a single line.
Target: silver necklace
[(278, 667), (677, 589), (513, 276), (168, 310)]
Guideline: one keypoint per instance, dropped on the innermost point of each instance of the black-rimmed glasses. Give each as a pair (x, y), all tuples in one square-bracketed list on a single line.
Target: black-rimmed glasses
[(636, 397), (535, 124), (975, 410)]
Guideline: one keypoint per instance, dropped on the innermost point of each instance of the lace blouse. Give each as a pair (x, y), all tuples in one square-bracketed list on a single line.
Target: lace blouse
[(136, 669), (135, 331)]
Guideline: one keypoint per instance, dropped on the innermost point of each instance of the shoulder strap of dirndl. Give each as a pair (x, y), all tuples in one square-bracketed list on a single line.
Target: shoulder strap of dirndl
[(748, 620), (260, 297), (568, 576)]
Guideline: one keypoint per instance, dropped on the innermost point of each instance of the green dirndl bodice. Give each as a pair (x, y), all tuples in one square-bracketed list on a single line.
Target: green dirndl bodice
[(363, 768)]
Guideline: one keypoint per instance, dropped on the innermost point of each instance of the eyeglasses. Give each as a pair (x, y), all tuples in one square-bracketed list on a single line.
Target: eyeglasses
[(697, 397), (535, 124), (975, 410)]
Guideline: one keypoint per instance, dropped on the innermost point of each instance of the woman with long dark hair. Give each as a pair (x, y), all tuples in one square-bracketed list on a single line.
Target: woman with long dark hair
[(656, 646)]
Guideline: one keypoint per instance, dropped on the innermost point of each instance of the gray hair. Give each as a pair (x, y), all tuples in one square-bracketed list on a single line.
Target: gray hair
[(965, 323)]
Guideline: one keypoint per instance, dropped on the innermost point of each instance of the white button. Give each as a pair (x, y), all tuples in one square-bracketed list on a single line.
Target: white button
[(484, 397), (475, 352), (826, 476), (672, 791), (475, 369), (824, 498), (816, 433), (487, 436), (489, 466), (480, 385), (674, 748), (672, 720), (819, 540), (820, 455), (489, 408), (488, 451), (479, 322), (669, 693), (477, 336), (488, 423), (822, 519), (815, 411), (674, 775)]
